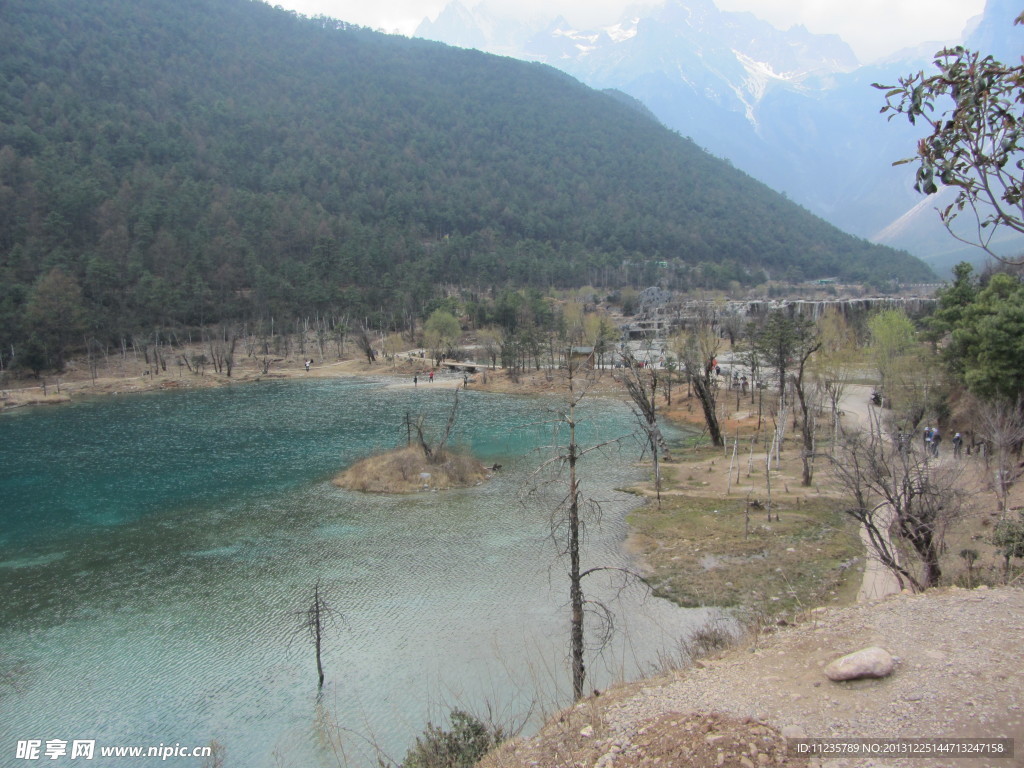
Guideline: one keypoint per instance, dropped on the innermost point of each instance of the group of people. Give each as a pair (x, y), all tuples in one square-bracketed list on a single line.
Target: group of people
[(416, 378), (932, 438), (430, 378), (739, 382)]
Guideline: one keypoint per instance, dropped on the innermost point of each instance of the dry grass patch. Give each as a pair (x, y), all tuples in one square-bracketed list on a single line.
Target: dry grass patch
[(407, 470), (703, 550)]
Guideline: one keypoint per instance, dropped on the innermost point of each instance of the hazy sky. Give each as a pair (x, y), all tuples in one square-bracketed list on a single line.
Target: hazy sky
[(873, 28)]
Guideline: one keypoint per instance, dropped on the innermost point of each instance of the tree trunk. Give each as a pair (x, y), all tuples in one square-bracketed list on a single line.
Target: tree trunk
[(806, 431), (318, 634), (702, 387), (579, 671)]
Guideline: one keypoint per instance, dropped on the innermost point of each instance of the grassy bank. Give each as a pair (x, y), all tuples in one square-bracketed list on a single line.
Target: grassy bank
[(723, 550), (732, 532)]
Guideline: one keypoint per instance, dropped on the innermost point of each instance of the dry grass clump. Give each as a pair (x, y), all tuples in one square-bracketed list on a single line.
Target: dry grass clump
[(406, 470)]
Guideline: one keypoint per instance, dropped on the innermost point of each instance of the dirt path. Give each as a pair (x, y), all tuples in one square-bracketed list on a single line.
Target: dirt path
[(878, 581)]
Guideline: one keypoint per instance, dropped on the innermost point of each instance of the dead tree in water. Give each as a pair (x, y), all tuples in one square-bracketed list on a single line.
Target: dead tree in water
[(314, 620)]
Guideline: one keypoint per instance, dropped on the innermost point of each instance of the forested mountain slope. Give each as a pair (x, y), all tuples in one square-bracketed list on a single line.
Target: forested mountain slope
[(189, 161)]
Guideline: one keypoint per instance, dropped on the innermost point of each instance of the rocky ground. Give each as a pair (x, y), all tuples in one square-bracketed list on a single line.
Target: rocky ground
[(959, 674)]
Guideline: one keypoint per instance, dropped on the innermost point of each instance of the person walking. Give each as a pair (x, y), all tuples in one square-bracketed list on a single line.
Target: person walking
[(958, 445)]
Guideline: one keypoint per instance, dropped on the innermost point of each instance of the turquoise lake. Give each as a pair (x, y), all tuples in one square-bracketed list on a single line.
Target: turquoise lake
[(155, 549)]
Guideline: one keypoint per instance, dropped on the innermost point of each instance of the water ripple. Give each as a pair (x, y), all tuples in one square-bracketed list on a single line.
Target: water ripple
[(158, 584)]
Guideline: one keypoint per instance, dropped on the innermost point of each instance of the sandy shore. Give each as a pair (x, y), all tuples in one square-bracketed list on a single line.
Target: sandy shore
[(129, 374)]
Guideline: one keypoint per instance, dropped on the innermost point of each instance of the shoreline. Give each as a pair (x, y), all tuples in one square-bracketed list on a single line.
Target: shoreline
[(399, 373), (135, 376)]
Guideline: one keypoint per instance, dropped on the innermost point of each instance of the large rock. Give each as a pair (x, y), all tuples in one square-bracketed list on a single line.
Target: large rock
[(869, 662)]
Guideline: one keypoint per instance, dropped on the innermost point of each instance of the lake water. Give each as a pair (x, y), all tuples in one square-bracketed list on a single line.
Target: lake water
[(154, 551)]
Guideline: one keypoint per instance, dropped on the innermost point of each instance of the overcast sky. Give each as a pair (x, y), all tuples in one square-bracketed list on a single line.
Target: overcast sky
[(873, 28)]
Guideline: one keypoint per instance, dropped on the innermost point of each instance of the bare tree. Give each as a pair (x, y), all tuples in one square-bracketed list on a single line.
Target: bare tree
[(897, 488), (338, 332), (222, 349), (435, 454), (365, 344), (568, 525), (573, 546), (696, 356), (833, 366), (642, 386), (808, 343), (1001, 424), (313, 621), (491, 341)]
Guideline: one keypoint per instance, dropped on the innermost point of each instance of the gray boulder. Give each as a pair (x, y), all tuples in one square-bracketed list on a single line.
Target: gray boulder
[(869, 662)]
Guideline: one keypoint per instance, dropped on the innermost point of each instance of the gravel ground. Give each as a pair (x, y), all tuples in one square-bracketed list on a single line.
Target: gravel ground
[(959, 674)]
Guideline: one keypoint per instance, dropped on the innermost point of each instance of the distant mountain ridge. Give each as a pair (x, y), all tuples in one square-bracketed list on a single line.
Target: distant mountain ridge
[(793, 109)]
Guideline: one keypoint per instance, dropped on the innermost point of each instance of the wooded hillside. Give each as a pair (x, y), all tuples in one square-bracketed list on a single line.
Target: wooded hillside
[(182, 162)]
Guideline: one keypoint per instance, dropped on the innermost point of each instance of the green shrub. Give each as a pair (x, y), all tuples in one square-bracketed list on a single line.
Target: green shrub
[(1009, 540), (468, 740)]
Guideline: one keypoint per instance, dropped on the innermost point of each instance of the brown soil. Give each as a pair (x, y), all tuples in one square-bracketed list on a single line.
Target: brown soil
[(131, 373)]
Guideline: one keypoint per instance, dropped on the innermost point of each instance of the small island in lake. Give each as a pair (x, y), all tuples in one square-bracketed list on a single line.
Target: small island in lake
[(410, 469)]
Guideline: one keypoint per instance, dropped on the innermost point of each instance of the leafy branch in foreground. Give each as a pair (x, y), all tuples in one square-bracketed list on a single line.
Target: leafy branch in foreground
[(975, 108)]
